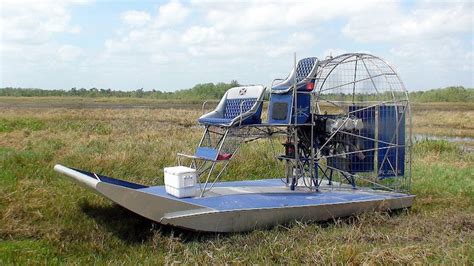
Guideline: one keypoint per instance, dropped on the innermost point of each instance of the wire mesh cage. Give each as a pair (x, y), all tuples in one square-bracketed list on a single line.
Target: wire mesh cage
[(366, 111)]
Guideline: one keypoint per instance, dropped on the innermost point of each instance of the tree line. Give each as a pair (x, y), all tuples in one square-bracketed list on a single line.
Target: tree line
[(448, 94), (198, 92), (208, 91)]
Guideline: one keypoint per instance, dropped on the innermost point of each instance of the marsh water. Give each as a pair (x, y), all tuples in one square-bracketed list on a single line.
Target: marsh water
[(466, 143)]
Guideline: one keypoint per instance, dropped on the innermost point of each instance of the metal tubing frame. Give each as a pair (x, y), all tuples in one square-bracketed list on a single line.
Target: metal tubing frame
[(220, 143), (321, 77), (267, 131)]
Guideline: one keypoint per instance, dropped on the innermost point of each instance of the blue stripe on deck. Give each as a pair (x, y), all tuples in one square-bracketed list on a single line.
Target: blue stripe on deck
[(274, 200), (111, 180)]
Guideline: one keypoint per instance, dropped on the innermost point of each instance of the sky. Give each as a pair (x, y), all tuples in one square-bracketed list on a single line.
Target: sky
[(169, 45)]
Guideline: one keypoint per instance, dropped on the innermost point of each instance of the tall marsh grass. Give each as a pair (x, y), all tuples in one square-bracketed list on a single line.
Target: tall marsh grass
[(46, 219)]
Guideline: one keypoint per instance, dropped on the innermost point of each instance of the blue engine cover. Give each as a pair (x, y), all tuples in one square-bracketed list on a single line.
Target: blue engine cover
[(391, 129), (368, 118), (281, 108)]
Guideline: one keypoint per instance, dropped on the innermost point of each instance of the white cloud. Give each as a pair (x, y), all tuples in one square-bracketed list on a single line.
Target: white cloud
[(444, 54), (135, 18), (28, 29), (243, 15), (425, 39), (200, 35), (172, 13), (291, 44), (263, 28), (333, 52), (34, 22), (28, 44), (249, 41), (152, 37), (426, 20), (246, 35), (70, 53)]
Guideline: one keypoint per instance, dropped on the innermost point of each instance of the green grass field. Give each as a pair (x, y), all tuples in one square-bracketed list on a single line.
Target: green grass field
[(45, 218)]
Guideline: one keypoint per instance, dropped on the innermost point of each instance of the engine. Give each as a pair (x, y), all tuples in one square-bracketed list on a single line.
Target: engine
[(333, 135)]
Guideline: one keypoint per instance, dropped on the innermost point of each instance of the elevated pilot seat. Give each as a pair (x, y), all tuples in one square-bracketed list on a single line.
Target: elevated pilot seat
[(238, 106)]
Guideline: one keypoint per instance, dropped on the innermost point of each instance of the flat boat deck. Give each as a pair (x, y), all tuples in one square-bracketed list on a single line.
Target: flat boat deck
[(240, 205)]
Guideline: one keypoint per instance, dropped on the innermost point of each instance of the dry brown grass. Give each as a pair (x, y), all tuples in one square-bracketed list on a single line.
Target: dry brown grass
[(444, 123)]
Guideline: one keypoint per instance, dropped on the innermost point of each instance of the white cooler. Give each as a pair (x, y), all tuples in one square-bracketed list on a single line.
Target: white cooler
[(180, 181)]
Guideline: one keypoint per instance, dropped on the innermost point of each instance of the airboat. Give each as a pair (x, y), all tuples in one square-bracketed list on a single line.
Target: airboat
[(343, 128)]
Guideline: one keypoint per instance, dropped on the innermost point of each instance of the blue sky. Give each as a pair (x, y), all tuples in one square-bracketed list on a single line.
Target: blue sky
[(168, 45)]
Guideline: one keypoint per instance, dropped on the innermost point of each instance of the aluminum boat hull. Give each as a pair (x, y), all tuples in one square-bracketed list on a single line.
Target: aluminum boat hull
[(240, 205)]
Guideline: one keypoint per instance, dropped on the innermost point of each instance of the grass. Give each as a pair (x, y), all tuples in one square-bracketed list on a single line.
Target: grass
[(44, 218), (8, 125), (109, 102)]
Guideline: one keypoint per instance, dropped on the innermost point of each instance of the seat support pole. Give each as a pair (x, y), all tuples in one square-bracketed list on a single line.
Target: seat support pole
[(221, 143)]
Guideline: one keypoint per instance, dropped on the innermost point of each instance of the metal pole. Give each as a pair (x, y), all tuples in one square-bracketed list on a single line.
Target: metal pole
[(354, 85), (295, 96), (313, 169)]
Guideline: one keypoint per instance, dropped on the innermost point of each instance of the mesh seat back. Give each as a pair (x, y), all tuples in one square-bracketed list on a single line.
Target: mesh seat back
[(304, 67), (232, 107)]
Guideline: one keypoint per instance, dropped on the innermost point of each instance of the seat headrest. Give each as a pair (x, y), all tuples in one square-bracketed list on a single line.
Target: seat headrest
[(245, 92), (304, 68)]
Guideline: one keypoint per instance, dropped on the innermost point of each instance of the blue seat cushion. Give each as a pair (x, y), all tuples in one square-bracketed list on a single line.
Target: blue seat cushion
[(206, 153)]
